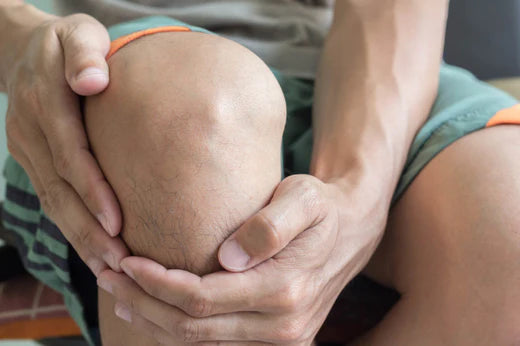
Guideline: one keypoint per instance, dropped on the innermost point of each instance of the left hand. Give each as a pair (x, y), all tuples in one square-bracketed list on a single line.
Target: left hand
[(302, 249)]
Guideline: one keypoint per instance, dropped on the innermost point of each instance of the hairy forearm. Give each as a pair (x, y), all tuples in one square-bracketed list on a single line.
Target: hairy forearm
[(17, 20), (377, 80)]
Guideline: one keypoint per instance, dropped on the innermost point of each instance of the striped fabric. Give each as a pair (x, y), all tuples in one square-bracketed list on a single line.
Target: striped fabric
[(42, 247)]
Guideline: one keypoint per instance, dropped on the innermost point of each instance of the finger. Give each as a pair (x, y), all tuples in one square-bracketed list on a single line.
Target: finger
[(159, 334), (62, 204), (297, 205), (145, 326), (95, 264), (63, 127), (176, 323), (85, 44), (217, 293)]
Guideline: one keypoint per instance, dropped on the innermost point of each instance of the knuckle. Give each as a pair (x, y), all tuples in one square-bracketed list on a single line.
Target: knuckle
[(70, 35), (310, 192), (290, 330), (82, 238), (198, 305), (159, 338), (13, 134), (62, 163), (32, 96), (187, 330), (52, 197), (12, 126), (73, 31), (79, 17), (85, 236), (270, 229), (291, 298), (11, 148)]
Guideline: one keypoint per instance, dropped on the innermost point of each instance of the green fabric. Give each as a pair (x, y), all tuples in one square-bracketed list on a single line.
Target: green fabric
[(126, 28), (464, 105), (54, 276)]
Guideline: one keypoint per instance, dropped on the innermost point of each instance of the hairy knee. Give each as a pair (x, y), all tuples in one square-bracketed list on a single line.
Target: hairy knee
[(188, 134)]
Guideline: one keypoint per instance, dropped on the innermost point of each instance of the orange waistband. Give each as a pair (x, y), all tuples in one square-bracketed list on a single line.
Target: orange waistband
[(122, 41), (506, 116)]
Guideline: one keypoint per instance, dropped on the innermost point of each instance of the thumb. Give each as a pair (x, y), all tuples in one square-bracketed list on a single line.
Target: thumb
[(295, 207), (85, 43)]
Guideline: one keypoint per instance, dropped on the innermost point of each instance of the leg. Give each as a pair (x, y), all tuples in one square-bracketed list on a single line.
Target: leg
[(452, 248), (173, 134)]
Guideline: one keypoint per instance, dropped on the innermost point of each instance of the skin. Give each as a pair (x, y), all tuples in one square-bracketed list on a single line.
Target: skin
[(457, 234), (45, 133), (348, 203), (194, 175), (350, 196)]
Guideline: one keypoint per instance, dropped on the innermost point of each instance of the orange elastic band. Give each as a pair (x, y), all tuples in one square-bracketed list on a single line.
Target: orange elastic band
[(506, 116), (122, 41)]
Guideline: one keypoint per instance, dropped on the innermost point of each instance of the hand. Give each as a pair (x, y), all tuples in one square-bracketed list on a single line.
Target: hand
[(285, 298), (56, 60)]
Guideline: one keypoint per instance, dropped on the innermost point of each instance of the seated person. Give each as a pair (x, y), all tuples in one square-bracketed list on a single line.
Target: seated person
[(189, 132)]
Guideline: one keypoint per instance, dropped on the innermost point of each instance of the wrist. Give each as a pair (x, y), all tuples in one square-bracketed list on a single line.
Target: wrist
[(365, 196), (19, 20), (373, 172)]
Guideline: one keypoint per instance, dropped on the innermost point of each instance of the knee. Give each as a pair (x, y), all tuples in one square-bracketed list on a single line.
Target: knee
[(196, 96), (193, 84), (188, 134)]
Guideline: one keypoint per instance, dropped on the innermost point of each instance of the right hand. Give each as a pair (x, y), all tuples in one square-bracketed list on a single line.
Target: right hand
[(56, 61)]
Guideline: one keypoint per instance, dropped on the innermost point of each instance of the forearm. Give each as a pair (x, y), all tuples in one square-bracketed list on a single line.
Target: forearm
[(376, 83), (18, 20)]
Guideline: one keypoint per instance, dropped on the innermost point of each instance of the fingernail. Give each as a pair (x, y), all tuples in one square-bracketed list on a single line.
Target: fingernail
[(123, 312), (105, 285), (103, 220), (127, 270), (233, 256), (92, 72)]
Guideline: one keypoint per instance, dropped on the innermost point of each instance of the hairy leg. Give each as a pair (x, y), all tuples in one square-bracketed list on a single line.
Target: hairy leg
[(452, 248), (188, 134)]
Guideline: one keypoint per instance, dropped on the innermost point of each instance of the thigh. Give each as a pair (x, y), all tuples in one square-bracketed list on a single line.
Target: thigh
[(457, 223), (464, 112)]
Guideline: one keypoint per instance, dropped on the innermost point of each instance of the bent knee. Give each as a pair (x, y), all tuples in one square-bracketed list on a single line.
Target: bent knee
[(191, 95), (188, 134), (191, 82)]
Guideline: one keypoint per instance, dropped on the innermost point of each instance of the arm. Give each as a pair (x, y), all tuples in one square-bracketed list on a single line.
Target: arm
[(376, 83)]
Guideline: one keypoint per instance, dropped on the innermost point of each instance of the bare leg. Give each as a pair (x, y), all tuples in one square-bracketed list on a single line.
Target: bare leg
[(452, 248), (189, 135)]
